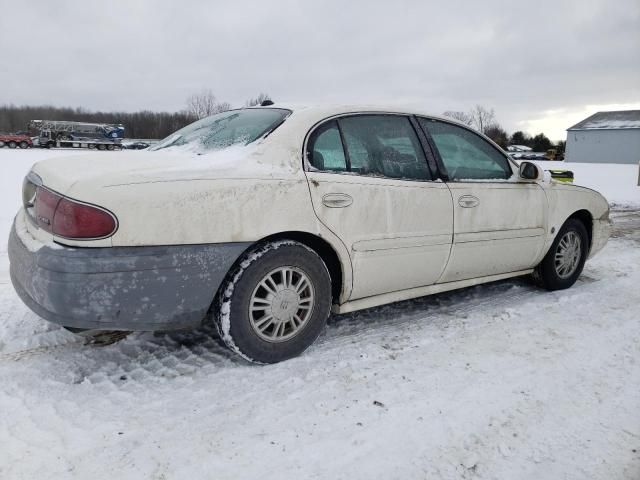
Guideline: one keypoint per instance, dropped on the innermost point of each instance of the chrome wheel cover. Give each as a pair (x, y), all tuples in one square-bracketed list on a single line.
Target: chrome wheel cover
[(281, 304), (568, 254)]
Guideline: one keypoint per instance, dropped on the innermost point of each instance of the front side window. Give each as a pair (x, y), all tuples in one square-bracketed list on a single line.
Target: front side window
[(378, 145), (235, 127), (466, 155)]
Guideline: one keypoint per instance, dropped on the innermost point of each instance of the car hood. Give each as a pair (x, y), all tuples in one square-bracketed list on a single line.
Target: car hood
[(104, 169)]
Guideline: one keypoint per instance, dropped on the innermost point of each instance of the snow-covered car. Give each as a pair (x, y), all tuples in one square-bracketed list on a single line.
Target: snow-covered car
[(263, 220), (136, 145)]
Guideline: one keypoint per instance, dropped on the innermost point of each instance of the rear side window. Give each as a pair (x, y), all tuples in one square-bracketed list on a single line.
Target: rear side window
[(385, 145), (326, 152), (378, 145), (466, 155)]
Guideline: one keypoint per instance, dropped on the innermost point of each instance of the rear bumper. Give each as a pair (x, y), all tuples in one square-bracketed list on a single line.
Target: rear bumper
[(120, 288)]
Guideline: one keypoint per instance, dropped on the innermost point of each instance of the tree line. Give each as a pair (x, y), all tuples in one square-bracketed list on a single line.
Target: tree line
[(484, 120), (142, 124)]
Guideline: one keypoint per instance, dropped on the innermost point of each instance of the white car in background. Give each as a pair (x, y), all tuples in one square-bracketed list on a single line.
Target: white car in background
[(263, 220)]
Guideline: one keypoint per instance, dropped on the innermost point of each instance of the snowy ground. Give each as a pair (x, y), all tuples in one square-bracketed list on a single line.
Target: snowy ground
[(502, 381)]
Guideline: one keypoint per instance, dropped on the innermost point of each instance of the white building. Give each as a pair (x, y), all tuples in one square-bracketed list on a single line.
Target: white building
[(605, 137)]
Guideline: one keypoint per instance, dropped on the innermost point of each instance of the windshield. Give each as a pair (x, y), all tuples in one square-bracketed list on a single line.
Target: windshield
[(225, 129)]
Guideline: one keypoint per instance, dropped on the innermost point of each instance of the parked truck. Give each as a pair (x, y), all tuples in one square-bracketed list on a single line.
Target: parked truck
[(13, 140), (58, 133)]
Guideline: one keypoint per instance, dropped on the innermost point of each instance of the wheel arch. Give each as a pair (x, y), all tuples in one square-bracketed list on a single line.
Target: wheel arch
[(338, 274), (586, 218), (324, 249)]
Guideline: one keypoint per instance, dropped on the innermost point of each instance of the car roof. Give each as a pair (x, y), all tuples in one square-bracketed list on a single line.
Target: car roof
[(328, 110)]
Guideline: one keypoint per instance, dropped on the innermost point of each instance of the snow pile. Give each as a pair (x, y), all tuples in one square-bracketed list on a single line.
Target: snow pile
[(618, 183)]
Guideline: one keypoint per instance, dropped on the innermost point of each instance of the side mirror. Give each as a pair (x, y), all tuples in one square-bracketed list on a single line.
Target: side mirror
[(529, 171)]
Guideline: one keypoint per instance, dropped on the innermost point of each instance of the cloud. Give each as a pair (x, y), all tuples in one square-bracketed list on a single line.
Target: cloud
[(521, 59)]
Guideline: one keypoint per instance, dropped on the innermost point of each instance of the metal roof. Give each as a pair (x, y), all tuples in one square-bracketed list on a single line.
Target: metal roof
[(610, 121)]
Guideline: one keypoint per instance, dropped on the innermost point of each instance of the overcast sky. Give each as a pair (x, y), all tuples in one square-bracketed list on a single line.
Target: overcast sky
[(541, 65)]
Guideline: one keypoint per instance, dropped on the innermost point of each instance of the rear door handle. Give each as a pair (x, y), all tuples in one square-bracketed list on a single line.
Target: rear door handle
[(337, 200), (468, 201)]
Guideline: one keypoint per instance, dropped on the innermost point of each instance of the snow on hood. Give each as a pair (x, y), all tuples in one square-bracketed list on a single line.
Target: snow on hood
[(103, 169)]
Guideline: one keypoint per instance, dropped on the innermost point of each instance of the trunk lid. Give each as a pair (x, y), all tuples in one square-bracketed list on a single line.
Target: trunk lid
[(121, 168)]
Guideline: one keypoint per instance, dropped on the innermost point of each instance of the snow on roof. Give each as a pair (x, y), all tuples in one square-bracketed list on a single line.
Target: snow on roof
[(610, 121)]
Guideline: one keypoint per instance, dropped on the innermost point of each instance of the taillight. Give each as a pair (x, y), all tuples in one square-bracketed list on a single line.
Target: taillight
[(68, 218), (46, 203)]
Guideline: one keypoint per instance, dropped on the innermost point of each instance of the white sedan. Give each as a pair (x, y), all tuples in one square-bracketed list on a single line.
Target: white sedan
[(263, 220)]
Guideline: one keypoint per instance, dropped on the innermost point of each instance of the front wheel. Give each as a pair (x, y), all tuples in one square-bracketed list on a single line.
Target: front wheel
[(563, 263), (275, 304), (13, 144)]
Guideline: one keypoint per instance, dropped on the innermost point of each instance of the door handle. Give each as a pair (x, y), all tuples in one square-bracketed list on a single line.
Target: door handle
[(337, 200), (468, 201)]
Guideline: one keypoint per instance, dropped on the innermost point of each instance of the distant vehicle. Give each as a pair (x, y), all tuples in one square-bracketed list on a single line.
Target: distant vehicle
[(553, 154), (13, 140), (56, 133), (518, 148), (532, 156), (518, 151), (263, 220), (136, 146)]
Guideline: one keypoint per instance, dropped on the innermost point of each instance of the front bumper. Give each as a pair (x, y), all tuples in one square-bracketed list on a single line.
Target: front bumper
[(120, 288), (601, 233)]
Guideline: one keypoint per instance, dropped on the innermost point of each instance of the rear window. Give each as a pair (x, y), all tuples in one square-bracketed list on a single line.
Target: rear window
[(235, 127)]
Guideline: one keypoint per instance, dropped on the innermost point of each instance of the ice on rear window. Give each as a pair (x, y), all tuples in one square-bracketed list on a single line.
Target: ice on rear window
[(223, 130)]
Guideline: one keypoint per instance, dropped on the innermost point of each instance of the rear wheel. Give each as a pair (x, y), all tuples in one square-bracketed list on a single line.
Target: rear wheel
[(24, 144), (101, 147), (1, 144), (563, 263), (275, 304), (12, 144)]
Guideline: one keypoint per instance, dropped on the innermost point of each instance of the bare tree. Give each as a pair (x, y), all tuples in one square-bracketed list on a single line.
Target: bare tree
[(498, 134), (482, 118), (203, 104), (253, 102), (459, 116)]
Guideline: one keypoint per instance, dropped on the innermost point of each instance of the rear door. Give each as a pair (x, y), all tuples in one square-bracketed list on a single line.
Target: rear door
[(371, 185), (499, 220)]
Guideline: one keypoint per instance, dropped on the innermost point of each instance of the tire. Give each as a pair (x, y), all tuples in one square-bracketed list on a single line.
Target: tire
[(110, 147), (246, 301), (12, 144), (101, 147), (24, 144), (92, 146), (1, 144), (563, 263)]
